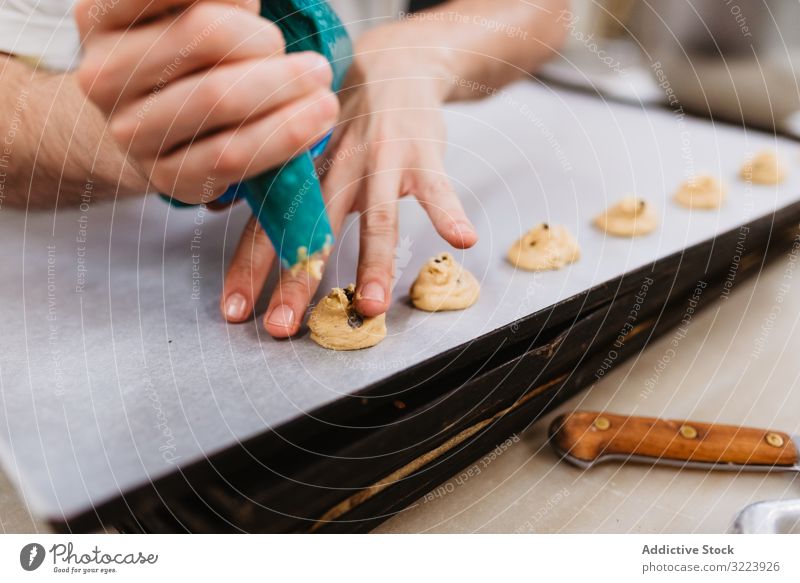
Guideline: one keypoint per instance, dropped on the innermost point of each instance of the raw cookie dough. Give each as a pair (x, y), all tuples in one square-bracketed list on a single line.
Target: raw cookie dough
[(703, 192), (544, 247), (765, 168), (442, 284), (630, 217), (336, 325), (311, 266)]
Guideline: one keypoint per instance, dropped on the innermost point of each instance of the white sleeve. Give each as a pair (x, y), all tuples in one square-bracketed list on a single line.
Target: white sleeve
[(41, 30)]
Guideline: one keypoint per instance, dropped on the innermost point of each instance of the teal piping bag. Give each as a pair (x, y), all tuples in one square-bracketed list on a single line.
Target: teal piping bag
[(288, 200)]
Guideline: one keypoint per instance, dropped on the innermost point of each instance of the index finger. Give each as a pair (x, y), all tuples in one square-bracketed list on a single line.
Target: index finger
[(102, 15)]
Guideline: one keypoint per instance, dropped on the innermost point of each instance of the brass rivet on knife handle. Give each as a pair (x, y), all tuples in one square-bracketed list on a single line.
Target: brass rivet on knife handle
[(774, 439), (579, 435), (583, 435), (602, 423)]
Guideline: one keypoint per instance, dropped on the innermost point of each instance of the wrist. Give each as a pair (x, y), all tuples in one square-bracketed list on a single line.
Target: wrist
[(391, 54)]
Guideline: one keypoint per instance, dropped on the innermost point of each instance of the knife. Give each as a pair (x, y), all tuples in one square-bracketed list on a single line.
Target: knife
[(587, 438)]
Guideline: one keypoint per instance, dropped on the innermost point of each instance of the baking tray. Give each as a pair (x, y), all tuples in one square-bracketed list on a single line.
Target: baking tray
[(122, 389), (447, 420)]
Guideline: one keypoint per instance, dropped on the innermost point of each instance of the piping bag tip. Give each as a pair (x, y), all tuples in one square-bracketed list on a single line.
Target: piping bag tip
[(313, 264)]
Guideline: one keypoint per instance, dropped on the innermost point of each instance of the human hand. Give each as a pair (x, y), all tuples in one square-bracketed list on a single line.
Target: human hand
[(389, 143), (201, 94)]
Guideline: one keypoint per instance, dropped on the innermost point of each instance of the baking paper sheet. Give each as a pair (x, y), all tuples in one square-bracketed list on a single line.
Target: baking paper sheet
[(116, 367)]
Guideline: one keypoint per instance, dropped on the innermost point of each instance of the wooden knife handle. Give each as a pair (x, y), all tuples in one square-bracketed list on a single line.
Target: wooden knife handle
[(590, 436)]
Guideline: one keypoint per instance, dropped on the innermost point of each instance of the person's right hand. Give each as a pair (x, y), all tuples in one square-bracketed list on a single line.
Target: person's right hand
[(201, 94)]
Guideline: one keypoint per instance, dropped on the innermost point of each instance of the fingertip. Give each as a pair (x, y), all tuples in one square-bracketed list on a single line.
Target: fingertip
[(281, 321), (319, 68), (235, 308), (462, 235), (370, 309), (372, 299)]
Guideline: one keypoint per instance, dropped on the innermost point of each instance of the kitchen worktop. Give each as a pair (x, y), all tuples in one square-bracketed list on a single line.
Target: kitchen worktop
[(737, 364)]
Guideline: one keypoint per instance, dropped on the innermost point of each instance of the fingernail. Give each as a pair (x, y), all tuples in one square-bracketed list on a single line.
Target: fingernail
[(281, 316), (328, 105), (373, 292), (463, 231), (320, 69), (235, 306)]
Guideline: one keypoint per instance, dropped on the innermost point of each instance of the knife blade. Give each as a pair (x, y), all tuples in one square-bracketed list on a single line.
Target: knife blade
[(586, 438)]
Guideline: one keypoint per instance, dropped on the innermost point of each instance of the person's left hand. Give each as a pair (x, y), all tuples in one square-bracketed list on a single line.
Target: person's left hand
[(389, 143)]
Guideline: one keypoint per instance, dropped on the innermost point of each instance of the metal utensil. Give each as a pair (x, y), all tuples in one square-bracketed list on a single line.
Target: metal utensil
[(770, 517)]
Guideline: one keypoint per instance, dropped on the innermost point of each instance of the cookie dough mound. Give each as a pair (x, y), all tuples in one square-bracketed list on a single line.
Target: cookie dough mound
[(764, 168), (443, 284), (630, 217), (336, 325), (702, 192), (310, 265), (544, 247)]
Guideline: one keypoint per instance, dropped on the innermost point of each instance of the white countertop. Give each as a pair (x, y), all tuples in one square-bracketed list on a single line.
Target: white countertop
[(717, 374)]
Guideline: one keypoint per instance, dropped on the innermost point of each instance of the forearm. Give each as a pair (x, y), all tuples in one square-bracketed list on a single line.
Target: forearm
[(492, 42), (53, 143)]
